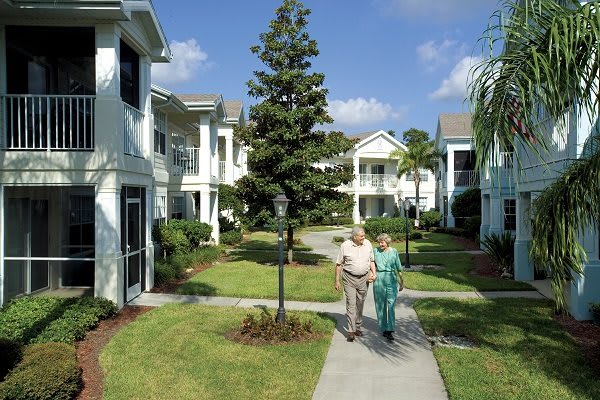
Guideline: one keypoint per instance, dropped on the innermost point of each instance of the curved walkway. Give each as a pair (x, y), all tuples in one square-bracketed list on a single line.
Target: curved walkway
[(370, 367)]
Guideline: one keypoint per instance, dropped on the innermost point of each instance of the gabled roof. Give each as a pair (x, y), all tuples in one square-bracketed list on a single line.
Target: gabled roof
[(366, 137), (456, 125), (233, 109), (198, 98), (361, 136)]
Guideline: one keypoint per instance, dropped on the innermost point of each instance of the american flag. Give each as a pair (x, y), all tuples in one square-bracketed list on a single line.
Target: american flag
[(518, 127)]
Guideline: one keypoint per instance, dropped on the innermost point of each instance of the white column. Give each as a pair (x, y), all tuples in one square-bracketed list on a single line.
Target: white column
[(109, 279), (146, 108), (356, 187), (524, 269), (484, 229), (214, 215), (107, 61), (205, 149), (496, 215), (149, 284), (229, 158), (2, 264), (214, 152), (205, 212), (109, 107)]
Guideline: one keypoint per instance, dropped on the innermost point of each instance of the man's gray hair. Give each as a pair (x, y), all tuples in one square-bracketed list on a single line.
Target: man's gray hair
[(356, 230)]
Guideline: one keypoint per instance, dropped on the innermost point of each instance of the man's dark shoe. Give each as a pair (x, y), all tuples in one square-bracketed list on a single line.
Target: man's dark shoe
[(350, 337), (390, 336), (358, 332), (386, 334)]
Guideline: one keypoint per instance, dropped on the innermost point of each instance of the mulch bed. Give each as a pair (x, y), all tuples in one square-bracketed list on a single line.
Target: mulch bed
[(172, 286), (587, 336), (88, 350)]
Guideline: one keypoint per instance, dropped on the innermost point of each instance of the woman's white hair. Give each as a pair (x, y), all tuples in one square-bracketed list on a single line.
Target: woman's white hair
[(385, 237)]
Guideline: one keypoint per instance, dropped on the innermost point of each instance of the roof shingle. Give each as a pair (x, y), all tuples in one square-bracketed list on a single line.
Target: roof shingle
[(455, 125)]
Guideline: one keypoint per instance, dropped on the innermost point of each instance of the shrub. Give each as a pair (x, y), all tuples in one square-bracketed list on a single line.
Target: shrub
[(226, 225), (430, 219), (48, 371), (467, 204), (12, 352), (182, 236), (500, 248), (175, 265), (392, 226), (163, 272), (449, 230), (231, 237), (413, 235), (338, 239), (52, 319), (472, 225), (268, 329)]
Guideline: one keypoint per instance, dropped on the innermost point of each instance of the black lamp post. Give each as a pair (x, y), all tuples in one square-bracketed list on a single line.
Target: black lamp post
[(281, 203), (406, 209)]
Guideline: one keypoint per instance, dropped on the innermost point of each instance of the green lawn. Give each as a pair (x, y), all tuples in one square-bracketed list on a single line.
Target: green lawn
[(263, 240), (455, 276), (193, 359), (523, 353), (431, 241), (255, 274)]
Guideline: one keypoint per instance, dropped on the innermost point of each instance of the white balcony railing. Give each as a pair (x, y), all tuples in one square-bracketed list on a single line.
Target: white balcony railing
[(186, 162), (378, 181), (132, 130), (221, 171), (47, 122), (466, 178)]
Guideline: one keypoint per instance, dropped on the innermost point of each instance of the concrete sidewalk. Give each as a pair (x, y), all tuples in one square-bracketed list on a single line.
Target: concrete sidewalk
[(370, 367)]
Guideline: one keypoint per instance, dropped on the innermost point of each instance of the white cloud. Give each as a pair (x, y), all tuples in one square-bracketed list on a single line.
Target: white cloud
[(455, 86), (188, 58), (433, 54), (360, 111), (438, 10)]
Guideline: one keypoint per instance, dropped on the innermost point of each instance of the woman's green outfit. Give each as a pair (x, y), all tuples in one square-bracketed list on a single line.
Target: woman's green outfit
[(385, 287)]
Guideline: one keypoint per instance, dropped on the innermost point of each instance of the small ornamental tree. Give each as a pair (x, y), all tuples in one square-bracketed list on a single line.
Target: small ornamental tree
[(283, 147), (467, 204), (420, 154)]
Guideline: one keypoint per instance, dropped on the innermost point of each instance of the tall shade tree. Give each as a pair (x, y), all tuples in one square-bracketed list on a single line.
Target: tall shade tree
[(283, 147), (420, 154), (548, 68)]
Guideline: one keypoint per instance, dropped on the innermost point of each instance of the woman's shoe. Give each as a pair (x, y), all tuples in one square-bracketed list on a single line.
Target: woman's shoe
[(386, 334), (390, 336)]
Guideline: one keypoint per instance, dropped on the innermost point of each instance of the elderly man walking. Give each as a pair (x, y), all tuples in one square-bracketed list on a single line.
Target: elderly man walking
[(355, 263)]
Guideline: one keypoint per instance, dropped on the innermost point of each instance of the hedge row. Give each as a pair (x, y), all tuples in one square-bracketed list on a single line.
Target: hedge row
[(48, 371), (181, 235), (175, 265), (52, 319), (392, 226)]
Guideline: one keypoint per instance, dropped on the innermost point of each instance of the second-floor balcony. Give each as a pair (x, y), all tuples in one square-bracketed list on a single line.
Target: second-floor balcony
[(186, 162), (31, 122), (47, 122), (375, 181), (469, 178)]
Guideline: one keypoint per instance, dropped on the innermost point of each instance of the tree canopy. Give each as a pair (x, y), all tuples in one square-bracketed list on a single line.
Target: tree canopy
[(284, 147), (546, 73)]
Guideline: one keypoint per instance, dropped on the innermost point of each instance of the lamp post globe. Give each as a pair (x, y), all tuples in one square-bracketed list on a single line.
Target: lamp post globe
[(280, 202)]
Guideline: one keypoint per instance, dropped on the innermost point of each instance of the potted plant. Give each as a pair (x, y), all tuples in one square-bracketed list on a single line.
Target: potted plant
[(595, 310)]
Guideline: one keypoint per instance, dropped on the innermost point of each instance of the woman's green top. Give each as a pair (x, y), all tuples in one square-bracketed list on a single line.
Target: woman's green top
[(387, 261)]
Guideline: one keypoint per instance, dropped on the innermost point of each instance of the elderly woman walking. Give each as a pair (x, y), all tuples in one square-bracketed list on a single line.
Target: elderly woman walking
[(385, 288)]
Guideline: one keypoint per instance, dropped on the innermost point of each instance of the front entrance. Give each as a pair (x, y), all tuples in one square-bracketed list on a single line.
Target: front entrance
[(132, 239)]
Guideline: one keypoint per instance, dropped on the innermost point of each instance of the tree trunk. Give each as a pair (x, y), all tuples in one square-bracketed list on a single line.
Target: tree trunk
[(290, 244)]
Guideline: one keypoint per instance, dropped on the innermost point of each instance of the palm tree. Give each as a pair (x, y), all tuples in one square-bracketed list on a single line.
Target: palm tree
[(548, 68), (418, 156)]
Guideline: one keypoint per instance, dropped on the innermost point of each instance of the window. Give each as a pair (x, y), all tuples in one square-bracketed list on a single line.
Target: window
[(130, 76), (160, 132), (422, 202), (510, 214), (177, 207), (160, 210), (424, 175), (464, 160)]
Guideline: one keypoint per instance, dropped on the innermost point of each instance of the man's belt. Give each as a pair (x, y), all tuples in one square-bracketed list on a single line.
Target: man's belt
[(355, 275)]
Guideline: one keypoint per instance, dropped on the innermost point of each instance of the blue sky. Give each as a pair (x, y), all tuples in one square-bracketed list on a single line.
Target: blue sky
[(388, 64)]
